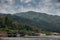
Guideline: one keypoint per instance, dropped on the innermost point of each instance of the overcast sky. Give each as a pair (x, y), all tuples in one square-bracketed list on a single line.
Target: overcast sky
[(44, 6)]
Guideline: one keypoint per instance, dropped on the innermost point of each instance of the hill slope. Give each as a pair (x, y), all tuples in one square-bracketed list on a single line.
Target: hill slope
[(10, 25), (45, 21), (40, 20)]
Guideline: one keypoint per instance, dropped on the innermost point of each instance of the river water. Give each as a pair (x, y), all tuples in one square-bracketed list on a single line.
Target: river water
[(38, 38)]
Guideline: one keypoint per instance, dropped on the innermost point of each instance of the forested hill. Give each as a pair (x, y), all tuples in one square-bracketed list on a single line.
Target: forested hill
[(9, 25), (41, 21)]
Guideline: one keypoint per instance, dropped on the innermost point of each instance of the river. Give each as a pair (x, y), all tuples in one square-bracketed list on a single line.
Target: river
[(33, 38)]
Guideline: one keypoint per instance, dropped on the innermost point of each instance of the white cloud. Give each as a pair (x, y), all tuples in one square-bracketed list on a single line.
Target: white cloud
[(25, 1), (50, 7), (46, 6)]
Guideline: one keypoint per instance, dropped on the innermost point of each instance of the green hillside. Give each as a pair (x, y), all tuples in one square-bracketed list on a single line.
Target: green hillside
[(42, 20), (9, 25), (29, 22)]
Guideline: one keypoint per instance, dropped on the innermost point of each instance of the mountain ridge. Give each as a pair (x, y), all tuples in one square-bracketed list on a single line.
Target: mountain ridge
[(40, 20), (49, 21)]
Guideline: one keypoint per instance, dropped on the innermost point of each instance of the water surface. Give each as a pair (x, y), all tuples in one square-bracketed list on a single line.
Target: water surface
[(38, 38)]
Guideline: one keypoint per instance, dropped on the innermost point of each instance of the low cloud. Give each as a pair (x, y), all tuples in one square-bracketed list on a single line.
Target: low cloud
[(46, 6)]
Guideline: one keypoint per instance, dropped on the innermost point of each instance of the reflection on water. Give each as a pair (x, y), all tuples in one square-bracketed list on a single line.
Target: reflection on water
[(41, 38)]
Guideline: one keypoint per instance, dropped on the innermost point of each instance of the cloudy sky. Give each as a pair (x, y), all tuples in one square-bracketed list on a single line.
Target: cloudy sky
[(44, 6)]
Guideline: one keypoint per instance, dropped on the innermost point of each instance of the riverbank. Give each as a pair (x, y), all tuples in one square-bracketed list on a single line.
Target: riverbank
[(34, 37)]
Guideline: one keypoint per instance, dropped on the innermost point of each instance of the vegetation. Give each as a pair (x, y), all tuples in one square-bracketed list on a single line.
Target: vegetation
[(9, 25), (41, 20), (29, 23)]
